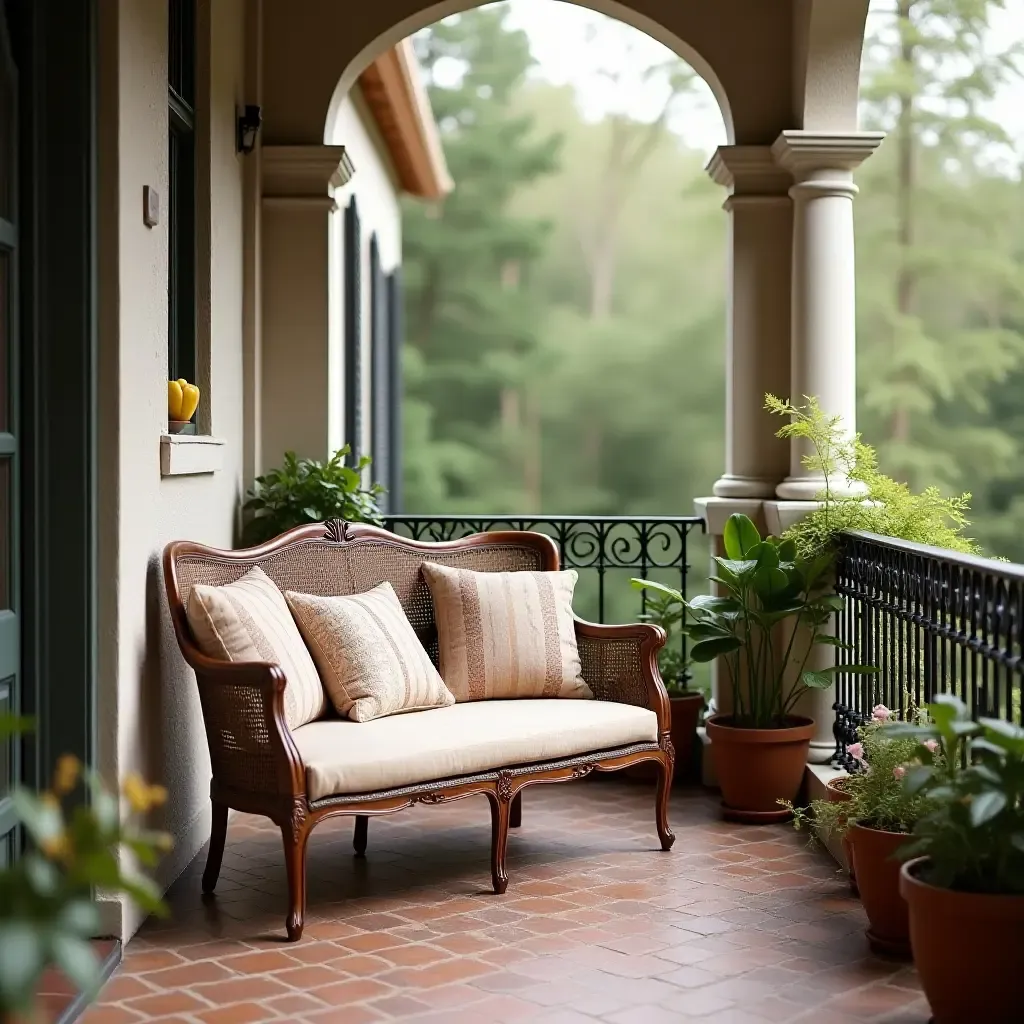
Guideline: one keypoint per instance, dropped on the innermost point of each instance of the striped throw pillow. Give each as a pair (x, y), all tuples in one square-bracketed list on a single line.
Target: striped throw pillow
[(506, 634), (248, 620), (370, 659)]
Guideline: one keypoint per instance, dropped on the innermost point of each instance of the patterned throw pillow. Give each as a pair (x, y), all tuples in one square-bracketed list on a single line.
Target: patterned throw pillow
[(369, 656), (248, 620), (506, 634)]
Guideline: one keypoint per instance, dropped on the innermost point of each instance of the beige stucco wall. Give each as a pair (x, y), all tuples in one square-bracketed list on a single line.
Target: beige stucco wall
[(375, 186), (302, 335), (147, 706)]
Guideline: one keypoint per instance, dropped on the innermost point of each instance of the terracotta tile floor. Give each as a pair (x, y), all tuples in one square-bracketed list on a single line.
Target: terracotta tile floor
[(736, 924)]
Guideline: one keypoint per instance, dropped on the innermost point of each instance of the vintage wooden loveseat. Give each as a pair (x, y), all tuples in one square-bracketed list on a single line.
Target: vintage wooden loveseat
[(262, 767)]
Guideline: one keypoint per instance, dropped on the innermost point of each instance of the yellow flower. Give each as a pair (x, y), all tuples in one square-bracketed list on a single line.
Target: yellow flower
[(141, 796), (66, 774), (56, 847)]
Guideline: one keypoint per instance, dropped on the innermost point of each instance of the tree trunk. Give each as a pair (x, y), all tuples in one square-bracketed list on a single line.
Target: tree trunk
[(906, 279)]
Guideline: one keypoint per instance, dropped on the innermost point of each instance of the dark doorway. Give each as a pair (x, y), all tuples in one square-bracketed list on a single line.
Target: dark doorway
[(47, 383)]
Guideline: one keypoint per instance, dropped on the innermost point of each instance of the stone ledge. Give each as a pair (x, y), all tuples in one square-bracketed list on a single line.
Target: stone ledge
[(190, 454)]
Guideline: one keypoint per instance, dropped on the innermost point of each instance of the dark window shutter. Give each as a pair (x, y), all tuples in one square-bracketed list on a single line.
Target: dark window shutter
[(380, 385), (395, 338), (353, 333)]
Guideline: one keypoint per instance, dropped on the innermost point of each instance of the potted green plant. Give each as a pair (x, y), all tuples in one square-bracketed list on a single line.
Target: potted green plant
[(306, 491), (963, 879), (667, 608), (874, 819), (770, 615), (47, 908)]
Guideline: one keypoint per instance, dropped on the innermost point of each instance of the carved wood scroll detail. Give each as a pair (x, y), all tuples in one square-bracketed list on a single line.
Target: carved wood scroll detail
[(298, 818), (428, 798), (504, 786), (582, 769), (337, 531), (666, 744)]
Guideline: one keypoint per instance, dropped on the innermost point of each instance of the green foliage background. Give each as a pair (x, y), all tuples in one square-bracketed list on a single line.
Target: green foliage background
[(566, 303)]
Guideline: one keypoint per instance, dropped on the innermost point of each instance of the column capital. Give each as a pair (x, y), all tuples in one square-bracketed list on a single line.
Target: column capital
[(805, 153), (749, 171), (305, 172)]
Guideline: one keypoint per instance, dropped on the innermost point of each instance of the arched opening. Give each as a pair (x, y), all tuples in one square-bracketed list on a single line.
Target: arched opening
[(565, 304), (431, 14)]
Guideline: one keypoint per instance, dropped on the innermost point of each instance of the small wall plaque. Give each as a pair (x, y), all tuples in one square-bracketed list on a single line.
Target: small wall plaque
[(150, 206)]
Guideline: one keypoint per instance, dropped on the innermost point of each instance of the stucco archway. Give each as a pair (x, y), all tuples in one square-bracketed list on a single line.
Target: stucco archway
[(770, 65), (429, 13)]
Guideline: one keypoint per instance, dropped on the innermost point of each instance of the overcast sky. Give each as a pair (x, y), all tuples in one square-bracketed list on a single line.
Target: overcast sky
[(574, 45)]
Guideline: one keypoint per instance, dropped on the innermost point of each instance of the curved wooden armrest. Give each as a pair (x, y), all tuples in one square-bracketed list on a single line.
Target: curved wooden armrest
[(251, 746), (620, 663)]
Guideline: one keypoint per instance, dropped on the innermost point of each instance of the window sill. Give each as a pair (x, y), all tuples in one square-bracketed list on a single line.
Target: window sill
[(190, 454)]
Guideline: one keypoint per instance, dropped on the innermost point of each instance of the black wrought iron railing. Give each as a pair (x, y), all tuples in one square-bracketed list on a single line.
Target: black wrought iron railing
[(932, 621), (606, 550)]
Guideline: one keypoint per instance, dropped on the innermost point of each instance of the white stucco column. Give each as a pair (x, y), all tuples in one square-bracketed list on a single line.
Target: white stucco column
[(823, 337), (301, 312), (758, 316)]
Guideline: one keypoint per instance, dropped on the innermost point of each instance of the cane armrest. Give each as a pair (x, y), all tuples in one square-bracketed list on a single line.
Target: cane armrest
[(251, 747), (620, 663)]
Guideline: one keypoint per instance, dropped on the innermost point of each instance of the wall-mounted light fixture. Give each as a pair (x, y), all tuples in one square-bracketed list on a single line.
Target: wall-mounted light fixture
[(249, 121)]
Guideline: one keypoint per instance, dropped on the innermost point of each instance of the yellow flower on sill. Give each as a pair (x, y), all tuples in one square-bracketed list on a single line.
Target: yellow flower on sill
[(142, 796), (56, 847), (182, 399), (66, 774)]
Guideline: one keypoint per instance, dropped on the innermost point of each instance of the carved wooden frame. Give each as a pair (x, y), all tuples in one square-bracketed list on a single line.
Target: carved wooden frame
[(287, 803)]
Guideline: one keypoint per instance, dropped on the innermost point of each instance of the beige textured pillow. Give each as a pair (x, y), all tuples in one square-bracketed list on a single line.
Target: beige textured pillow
[(369, 656), (506, 634), (248, 620)]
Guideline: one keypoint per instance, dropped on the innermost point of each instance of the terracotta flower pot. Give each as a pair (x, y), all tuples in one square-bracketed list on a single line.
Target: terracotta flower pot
[(758, 767), (968, 949), (685, 713), (878, 880), (836, 793)]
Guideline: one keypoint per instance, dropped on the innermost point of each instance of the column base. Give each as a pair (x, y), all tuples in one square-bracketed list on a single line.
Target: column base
[(733, 486), (801, 488)]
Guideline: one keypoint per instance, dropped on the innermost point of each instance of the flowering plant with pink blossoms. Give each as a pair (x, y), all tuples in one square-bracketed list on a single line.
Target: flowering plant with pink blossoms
[(878, 798)]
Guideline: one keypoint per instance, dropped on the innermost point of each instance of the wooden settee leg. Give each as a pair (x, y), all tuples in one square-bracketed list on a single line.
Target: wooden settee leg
[(295, 834), (500, 808), (218, 835), (515, 817), (359, 836), (666, 771)]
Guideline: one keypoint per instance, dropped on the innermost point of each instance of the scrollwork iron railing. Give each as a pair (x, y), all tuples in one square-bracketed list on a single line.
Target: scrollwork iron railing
[(606, 550), (932, 621)]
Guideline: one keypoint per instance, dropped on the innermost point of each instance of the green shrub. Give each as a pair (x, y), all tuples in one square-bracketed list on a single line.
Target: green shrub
[(307, 491)]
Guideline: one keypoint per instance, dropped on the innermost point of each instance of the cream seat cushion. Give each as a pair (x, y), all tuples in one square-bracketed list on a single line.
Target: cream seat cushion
[(506, 634), (371, 662), (248, 620), (360, 757)]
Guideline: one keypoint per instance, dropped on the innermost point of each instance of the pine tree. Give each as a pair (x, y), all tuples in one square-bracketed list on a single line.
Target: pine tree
[(938, 277), (470, 320)]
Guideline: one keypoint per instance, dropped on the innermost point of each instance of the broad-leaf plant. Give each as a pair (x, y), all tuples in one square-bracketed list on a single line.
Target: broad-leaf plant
[(76, 843), (306, 491), (772, 610), (972, 774)]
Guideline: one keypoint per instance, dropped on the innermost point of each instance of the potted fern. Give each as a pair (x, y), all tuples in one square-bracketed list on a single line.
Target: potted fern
[(307, 491)]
